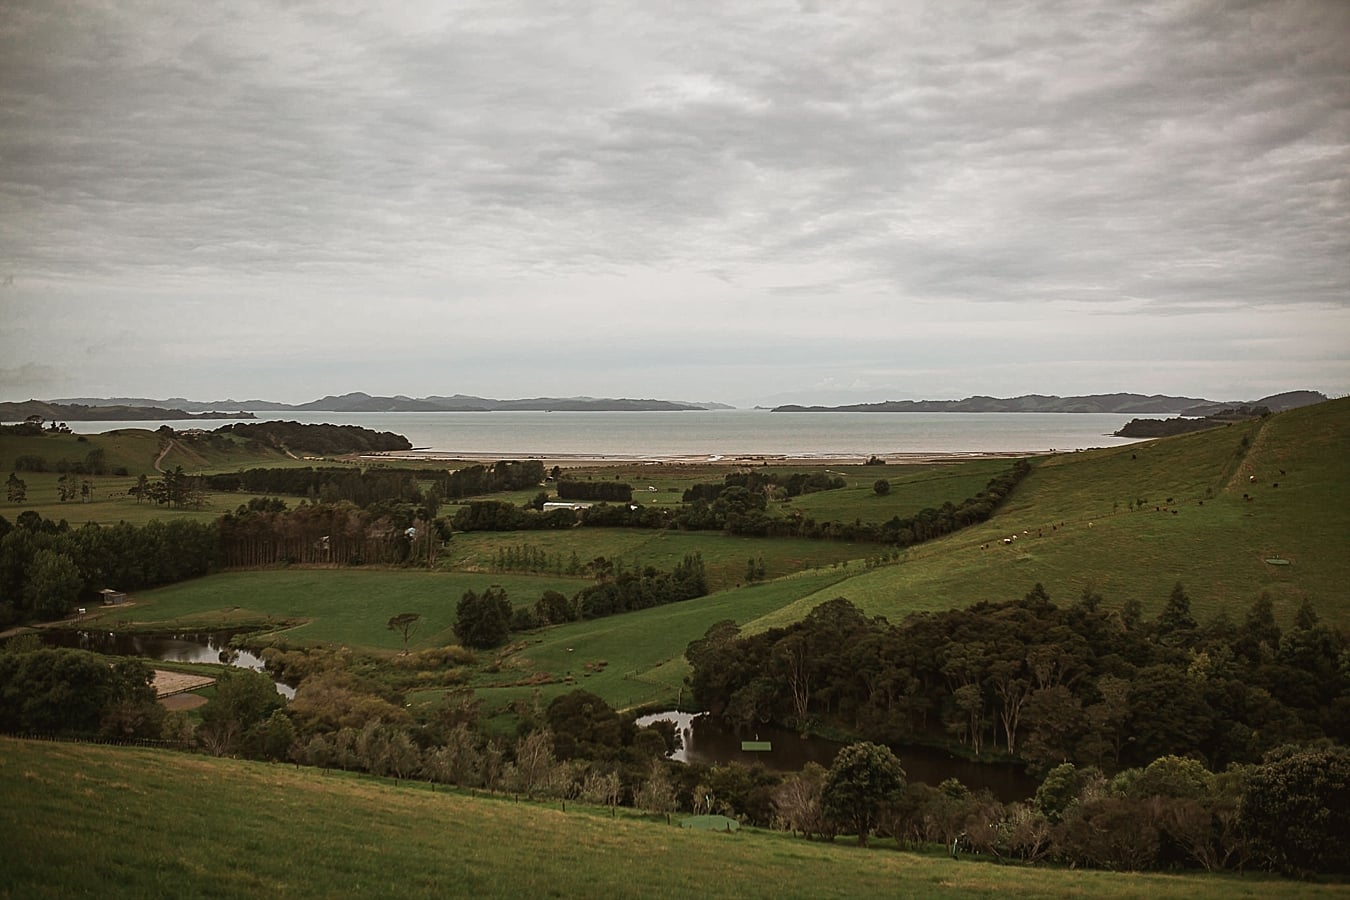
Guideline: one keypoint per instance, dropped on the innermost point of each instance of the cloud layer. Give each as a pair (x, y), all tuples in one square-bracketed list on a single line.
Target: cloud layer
[(739, 201)]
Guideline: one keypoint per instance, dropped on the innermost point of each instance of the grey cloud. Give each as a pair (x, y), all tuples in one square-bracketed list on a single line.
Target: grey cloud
[(1180, 157)]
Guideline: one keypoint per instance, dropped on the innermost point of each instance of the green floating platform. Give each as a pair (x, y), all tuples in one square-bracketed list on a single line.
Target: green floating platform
[(757, 746), (711, 823)]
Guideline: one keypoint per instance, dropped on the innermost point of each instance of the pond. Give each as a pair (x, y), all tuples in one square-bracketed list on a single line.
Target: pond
[(707, 741), (195, 647)]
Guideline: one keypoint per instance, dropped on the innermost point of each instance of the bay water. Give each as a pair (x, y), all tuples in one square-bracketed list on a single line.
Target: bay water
[(708, 434)]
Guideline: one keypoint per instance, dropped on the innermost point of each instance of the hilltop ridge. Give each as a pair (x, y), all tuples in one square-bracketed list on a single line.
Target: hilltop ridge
[(1091, 403)]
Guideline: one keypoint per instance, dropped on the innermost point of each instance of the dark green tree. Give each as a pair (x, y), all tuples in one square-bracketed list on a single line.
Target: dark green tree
[(864, 779), (584, 726), (881, 487), (52, 690), (483, 621), (1175, 624), (1297, 806), (244, 699), (53, 585), (552, 608)]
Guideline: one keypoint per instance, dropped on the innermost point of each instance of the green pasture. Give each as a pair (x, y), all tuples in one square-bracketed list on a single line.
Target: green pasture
[(913, 488), (1078, 524), (114, 822), (725, 557), (136, 450), (632, 659), (109, 502), (350, 607), (133, 449)]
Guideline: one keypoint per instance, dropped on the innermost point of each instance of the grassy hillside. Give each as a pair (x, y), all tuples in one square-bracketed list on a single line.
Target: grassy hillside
[(117, 822), (134, 450), (1216, 505), (637, 658)]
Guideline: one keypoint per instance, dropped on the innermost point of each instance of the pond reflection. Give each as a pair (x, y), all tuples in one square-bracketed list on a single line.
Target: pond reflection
[(194, 647)]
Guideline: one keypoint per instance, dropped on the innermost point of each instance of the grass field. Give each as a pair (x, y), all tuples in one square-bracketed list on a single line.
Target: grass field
[(134, 450), (1075, 528), (913, 488), (725, 557), (632, 659), (341, 606), (115, 822), (635, 659)]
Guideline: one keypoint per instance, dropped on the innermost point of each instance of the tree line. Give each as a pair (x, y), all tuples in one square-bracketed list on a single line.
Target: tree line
[(738, 510), (773, 485), (609, 491), (484, 620), (47, 567), (1032, 681), (328, 484), (264, 532), (503, 475)]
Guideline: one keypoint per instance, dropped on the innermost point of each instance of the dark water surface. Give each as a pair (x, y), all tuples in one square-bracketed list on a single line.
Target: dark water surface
[(707, 741), (195, 647)]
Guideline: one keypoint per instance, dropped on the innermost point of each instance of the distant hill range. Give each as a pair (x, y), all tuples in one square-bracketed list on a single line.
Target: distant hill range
[(104, 411), (1156, 404), (86, 409)]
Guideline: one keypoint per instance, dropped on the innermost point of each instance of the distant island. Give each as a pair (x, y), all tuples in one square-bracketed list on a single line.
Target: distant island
[(1156, 404), (105, 411), (96, 409)]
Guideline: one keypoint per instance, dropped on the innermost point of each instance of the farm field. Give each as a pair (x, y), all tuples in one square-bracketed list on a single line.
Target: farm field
[(724, 556), (124, 822), (340, 606), (1212, 513), (635, 659), (135, 451)]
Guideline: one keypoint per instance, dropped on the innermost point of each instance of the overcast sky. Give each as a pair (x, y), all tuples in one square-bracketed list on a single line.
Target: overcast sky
[(743, 202)]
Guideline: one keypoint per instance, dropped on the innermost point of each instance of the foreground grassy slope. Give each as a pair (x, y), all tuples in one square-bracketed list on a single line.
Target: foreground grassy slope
[(1211, 517), (117, 822)]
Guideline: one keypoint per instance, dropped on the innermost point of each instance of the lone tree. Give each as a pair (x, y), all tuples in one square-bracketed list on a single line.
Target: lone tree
[(882, 487), (405, 623), (864, 780)]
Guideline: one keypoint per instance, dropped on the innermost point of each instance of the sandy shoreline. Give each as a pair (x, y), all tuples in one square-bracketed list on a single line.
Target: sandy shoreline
[(566, 461)]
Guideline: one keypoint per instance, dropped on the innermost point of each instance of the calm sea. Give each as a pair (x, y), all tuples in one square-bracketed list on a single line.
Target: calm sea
[(712, 433)]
